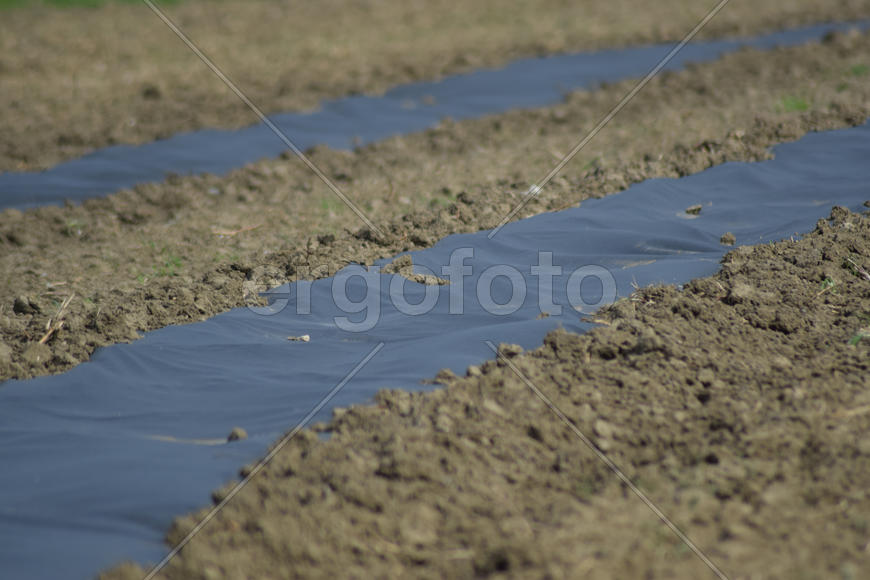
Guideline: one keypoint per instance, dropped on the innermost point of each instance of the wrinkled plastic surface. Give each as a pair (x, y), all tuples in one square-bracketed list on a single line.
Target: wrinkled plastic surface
[(347, 122), (84, 481)]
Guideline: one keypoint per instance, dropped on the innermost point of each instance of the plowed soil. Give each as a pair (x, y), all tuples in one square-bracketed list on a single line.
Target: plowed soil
[(739, 407), (80, 78), (192, 247)]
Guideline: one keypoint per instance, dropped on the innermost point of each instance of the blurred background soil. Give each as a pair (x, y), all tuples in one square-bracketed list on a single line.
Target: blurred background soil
[(78, 78)]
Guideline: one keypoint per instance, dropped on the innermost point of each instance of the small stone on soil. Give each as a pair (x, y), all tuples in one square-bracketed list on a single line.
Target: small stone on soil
[(23, 305), (510, 350), (237, 434), (36, 354), (706, 377)]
